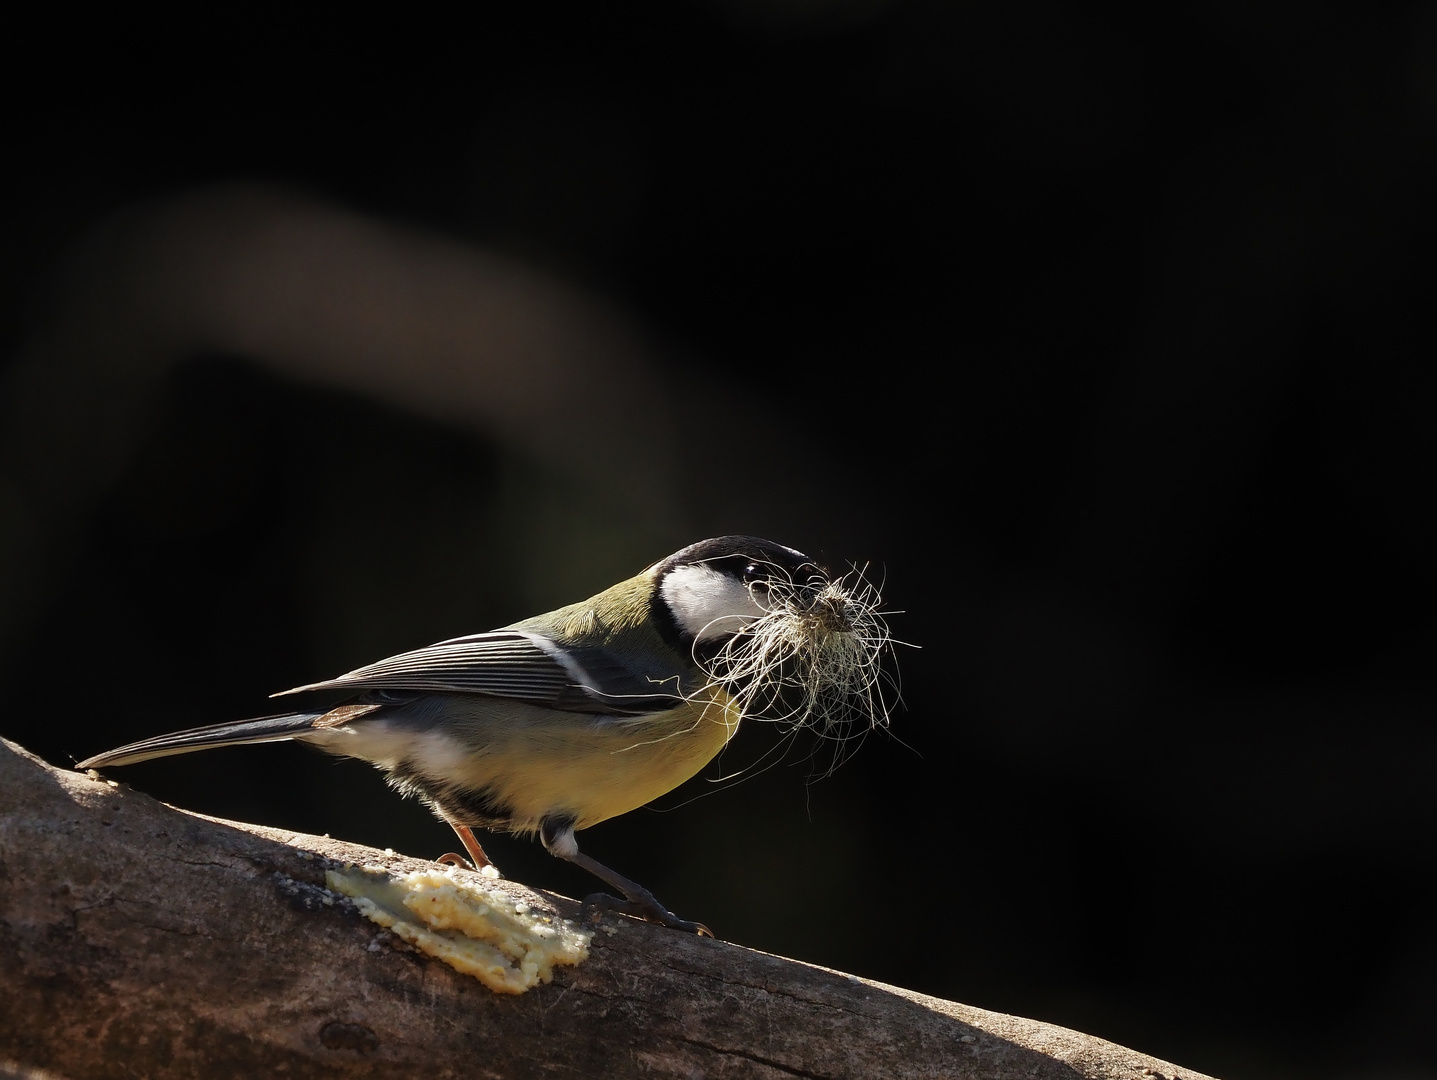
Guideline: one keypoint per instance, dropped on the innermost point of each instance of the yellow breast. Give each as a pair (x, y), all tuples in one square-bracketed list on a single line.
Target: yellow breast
[(595, 768)]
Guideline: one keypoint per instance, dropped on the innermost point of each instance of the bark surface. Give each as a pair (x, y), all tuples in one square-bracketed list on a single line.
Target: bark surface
[(139, 940)]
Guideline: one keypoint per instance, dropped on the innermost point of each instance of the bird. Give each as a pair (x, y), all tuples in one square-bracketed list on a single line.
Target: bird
[(560, 721)]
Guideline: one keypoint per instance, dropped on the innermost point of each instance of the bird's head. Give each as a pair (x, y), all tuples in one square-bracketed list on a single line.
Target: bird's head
[(787, 639)]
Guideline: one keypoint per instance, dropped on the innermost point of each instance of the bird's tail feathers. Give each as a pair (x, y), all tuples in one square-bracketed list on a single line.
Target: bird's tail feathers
[(260, 730)]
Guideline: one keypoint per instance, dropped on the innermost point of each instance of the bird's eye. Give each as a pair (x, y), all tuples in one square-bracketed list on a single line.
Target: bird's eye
[(755, 576)]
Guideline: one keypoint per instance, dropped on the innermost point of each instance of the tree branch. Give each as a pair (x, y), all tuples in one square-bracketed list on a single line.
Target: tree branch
[(136, 939)]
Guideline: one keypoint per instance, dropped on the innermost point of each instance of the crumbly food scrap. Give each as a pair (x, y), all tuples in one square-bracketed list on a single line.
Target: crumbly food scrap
[(503, 943)]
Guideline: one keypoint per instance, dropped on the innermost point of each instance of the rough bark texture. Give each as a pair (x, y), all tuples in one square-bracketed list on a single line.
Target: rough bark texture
[(138, 940)]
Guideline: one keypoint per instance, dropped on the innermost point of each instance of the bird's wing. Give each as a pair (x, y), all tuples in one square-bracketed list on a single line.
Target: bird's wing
[(518, 665)]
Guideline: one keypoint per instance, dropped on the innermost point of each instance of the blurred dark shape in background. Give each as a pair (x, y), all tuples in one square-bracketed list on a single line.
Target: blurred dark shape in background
[(1106, 342)]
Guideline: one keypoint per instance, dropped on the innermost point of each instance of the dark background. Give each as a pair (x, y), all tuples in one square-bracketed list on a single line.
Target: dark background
[(1103, 337)]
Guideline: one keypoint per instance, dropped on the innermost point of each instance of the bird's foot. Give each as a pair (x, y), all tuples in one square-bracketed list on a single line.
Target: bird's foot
[(481, 862), (451, 858), (646, 908)]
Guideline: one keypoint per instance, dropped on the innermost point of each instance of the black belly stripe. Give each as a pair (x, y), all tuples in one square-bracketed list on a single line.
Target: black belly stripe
[(479, 808)]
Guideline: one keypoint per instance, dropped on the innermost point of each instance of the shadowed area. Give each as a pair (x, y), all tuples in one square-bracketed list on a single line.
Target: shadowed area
[(1102, 342)]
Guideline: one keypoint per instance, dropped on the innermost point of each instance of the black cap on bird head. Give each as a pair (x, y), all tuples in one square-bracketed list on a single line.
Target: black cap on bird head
[(713, 589)]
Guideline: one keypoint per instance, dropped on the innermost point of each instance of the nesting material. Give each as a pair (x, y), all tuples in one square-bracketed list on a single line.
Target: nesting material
[(812, 660)]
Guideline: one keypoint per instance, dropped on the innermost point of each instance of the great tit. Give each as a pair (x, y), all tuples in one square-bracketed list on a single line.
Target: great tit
[(567, 719)]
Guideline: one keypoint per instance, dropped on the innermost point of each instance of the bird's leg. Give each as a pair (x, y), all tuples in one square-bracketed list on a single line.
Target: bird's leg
[(471, 845), (557, 835)]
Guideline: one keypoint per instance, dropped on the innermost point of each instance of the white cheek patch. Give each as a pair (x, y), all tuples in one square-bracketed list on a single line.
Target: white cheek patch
[(707, 603)]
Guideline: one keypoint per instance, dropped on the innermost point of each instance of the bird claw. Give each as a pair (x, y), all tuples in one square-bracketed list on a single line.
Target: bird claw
[(451, 858), (648, 909)]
